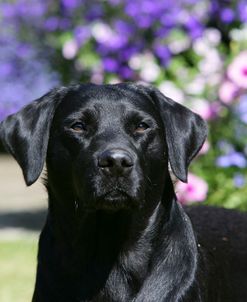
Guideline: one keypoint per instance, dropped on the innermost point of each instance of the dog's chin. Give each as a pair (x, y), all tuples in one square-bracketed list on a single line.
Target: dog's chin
[(115, 201)]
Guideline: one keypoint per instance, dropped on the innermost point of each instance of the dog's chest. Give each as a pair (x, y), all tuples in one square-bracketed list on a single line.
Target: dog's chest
[(120, 282)]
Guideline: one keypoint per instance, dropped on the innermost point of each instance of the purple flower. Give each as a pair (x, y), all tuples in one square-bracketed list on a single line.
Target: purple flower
[(163, 53), (94, 12), (23, 12), (51, 23), (110, 65), (70, 4), (241, 109), (126, 53), (8, 10), (132, 9), (225, 146), (194, 27), (161, 32), (64, 23), (126, 73), (238, 160), (6, 69), (242, 10), (82, 34), (145, 21), (21, 64), (115, 2), (32, 9), (232, 159), (116, 30), (227, 15), (239, 180), (214, 6), (124, 28)]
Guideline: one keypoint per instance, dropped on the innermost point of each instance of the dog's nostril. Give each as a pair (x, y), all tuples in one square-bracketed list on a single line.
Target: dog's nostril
[(105, 161), (127, 162), (115, 161)]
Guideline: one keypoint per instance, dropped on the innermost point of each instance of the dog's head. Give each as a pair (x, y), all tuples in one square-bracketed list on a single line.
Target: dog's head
[(107, 146)]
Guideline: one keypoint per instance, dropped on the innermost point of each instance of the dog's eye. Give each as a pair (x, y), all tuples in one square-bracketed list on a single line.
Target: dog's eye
[(141, 127), (79, 127)]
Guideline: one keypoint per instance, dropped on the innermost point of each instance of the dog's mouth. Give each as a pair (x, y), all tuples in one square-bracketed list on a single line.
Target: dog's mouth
[(109, 194), (114, 199)]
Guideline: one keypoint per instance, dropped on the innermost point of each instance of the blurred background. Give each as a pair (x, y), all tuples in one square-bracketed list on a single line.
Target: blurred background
[(194, 51)]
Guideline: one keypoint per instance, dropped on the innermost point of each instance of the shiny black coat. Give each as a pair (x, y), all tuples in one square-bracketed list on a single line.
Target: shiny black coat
[(114, 230)]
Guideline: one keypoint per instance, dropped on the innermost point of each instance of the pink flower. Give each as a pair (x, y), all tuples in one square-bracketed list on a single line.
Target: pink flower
[(205, 147), (237, 70), (227, 92), (202, 107), (195, 190), (206, 110)]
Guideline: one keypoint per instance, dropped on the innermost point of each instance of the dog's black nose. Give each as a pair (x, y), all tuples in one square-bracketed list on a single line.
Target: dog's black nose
[(115, 162)]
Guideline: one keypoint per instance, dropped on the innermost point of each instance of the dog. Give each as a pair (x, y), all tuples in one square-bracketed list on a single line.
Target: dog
[(114, 229)]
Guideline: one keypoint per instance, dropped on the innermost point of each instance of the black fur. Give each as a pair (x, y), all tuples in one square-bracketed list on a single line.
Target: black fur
[(114, 230)]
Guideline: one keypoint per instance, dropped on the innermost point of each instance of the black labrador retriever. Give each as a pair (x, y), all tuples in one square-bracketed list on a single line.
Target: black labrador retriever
[(114, 230)]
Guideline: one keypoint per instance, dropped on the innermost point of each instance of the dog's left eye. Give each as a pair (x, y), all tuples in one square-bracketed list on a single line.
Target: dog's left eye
[(79, 127), (141, 127)]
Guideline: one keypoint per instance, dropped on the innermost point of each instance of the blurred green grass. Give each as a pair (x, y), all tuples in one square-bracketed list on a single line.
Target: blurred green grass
[(17, 269)]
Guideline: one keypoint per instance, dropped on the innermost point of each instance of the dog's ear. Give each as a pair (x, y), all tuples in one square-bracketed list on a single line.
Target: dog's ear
[(185, 133), (25, 134)]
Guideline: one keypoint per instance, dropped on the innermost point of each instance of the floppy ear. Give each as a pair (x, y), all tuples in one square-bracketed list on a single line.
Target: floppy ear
[(25, 134), (185, 132)]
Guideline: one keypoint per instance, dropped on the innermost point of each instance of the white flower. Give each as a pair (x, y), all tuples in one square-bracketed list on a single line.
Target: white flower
[(200, 9), (239, 34), (102, 32), (172, 91), (214, 79), (211, 63), (149, 70), (135, 62), (207, 43), (70, 49), (213, 36), (179, 45), (197, 86), (201, 46), (114, 80)]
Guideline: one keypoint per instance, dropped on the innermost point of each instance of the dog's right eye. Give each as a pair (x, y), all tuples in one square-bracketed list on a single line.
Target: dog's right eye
[(79, 127), (141, 128)]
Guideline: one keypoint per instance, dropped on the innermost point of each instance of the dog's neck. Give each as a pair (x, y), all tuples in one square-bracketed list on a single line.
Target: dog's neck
[(91, 245), (105, 240), (101, 229), (107, 232)]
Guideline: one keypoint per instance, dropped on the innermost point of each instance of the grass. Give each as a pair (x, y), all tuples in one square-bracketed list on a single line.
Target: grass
[(17, 270)]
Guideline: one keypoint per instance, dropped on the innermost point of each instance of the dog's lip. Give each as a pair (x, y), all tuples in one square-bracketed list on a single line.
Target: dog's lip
[(114, 193), (115, 199)]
